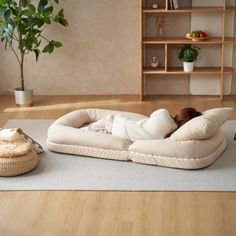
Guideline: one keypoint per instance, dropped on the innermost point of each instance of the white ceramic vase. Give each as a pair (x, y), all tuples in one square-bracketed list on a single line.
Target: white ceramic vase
[(188, 66), (24, 98)]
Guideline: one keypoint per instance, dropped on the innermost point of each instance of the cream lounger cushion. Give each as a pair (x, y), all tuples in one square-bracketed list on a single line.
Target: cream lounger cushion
[(65, 136), (203, 127)]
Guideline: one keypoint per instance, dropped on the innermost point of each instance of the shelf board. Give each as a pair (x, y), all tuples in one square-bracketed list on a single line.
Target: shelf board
[(189, 9), (197, 71), (213, 40)]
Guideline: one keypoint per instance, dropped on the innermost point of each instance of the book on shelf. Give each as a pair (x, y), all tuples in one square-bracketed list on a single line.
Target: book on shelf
[(175, 4), (171, 5)]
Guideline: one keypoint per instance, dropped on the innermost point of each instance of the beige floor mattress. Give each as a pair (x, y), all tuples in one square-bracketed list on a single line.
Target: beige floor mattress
[(66, 136)]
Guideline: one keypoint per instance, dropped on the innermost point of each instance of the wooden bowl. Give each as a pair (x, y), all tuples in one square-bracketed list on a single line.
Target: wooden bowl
[(197, 38)]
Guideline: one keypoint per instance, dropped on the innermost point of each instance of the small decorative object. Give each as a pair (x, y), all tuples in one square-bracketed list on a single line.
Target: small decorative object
[(188, 54), (22, 26), (155, 62), (175, 4), (197, 35), (171, 5), (154, 5), (160, 20)]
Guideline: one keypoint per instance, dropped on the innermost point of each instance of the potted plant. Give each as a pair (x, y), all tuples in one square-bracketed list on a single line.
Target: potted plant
[(22, 24), (188, 54)]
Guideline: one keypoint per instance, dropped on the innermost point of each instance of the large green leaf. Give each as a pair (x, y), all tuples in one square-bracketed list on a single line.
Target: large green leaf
[(24, 2), (32, 8), (37, 53), (27, 43), (41, 6), (26, 12), (10, 28), (48, 11), (47, 20), (2, 10), (2, 2), (49, 48), (43, 2), (15, 10), (7, 15), (9, 2), (40, 23), (22, 28), (57, 44), (29, 11), (61, 13)]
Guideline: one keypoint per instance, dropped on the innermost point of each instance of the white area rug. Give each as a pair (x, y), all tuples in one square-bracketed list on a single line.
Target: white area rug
[(67, 172)]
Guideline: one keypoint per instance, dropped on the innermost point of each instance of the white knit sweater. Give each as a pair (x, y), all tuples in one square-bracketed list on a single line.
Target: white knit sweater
[(157, 126)]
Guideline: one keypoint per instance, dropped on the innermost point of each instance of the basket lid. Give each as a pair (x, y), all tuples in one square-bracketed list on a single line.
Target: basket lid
[(14, 148)]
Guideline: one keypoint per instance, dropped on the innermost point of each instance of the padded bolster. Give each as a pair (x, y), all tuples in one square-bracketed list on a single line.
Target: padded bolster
[(81, 117), (204, 126), (73, 136), (192, 149), (66, 130)]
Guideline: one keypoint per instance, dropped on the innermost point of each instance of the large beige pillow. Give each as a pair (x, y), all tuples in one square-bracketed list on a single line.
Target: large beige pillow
[(204, 126)]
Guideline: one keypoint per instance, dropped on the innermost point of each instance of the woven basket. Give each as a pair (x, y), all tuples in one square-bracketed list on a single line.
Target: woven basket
[(13, 166)]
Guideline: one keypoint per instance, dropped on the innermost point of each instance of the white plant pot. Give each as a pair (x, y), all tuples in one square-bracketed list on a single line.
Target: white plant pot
[(188, 66), (24, 98)]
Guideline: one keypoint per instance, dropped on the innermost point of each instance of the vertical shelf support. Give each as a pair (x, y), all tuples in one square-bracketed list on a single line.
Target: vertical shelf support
[(222, 52), (167, 1), (166, 57), (142, 49)]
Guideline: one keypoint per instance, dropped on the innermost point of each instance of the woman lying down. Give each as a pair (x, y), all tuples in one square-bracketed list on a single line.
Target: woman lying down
[(159, 125)]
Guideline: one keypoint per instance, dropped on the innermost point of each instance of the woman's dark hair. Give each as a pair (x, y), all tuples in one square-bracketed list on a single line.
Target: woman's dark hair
[(183, 116)]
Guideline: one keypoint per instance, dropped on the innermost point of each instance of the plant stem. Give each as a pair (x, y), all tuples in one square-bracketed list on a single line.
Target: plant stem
[(22, 71), (16, 55), (44, 38), (22, 53)]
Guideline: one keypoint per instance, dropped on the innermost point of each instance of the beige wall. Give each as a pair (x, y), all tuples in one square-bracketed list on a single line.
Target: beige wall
[(100, 54)]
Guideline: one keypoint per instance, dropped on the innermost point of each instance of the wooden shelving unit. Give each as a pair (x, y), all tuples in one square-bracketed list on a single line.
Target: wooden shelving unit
[(166, 70)]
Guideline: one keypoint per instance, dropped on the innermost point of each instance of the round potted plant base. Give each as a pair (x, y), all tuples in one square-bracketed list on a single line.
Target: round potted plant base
[(188, 66), (24, 98)]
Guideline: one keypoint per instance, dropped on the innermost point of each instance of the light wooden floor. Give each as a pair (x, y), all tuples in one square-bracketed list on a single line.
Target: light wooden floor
[(69, 213)]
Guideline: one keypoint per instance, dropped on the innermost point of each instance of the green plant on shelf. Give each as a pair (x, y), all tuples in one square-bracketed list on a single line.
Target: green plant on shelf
[(188, 53)]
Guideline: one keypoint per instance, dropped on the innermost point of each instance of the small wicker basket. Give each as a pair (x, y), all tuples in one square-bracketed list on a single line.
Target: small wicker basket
[(18, 165), (17, 157)]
